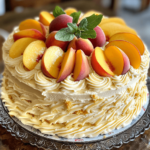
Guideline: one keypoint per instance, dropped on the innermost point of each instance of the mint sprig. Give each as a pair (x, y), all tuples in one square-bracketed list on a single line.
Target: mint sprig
[(85, 29), (75, 16), (58, 11)]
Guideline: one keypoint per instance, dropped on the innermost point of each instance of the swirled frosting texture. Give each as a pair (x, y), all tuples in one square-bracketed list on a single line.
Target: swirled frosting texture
[(84, 108)]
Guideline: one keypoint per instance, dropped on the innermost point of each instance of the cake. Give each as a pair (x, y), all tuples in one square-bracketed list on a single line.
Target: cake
[(96, 86)]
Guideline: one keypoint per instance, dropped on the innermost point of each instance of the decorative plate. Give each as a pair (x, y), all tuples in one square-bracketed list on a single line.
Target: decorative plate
[(102, 142)]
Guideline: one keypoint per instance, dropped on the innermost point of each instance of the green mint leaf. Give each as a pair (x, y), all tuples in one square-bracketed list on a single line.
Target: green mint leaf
[(64, 35), (72, 27), (58, 11), (76, 16), (88, 34), (83, 24), (93, 21), (78, 34)]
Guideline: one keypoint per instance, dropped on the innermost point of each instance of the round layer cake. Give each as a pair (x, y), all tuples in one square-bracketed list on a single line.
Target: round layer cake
[(88, 107)]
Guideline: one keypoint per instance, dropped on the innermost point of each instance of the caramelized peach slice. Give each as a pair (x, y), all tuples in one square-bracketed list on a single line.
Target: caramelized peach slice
[(51, 41), (113, 19), (82, 68), (46, 18), (100, 63), (51, 61), (130, 50), (32, 24), (33, 53), (19, 46), (132, 38), (32, 33), (112, 28), (67, 65), (70, 10)]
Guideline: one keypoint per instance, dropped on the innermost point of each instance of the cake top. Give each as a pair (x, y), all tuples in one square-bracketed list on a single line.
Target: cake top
[(77, 44)]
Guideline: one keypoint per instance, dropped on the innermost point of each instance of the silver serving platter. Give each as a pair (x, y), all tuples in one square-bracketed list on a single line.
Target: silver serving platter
[(102, 142)]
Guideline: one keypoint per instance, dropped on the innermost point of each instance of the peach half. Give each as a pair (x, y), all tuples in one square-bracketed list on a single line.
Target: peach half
[(101, 64), (32, 24), (51, 61), (46, 18), (19, 46), (33, 53), (60, 22), (72, 44), (67, 65), (130, 50), (129, 37), (82, 68), (32, 33), (112, 28), (51, 41)]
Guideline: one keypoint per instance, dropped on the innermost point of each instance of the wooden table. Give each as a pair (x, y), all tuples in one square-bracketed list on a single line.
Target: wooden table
[(10, 20)]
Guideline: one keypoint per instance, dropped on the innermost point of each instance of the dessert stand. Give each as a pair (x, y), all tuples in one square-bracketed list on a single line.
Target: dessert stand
[(113, 139)]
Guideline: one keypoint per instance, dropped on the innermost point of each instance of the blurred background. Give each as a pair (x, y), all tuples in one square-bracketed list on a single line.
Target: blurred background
[(136, 13)]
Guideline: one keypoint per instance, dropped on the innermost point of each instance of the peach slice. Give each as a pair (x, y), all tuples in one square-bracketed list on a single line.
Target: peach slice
[(101, 64), (112, 28), (89, 13), (113, 19), (19, 46), (33, 53), (32, 33), (72, 44), (51, 41), (132, 38), (46, 18), (60, 22), (85, 45), (117, 60), (130, 50), (67, 65), (70, 10), (82, 68), (32, 24), (100, 39), (51, 61)]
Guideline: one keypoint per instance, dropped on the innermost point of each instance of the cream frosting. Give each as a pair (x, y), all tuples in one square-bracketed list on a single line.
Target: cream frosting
[(84, 108)]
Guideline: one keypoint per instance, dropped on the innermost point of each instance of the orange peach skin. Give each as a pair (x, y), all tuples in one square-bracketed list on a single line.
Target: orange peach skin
[(132, 38), (100, 63), (32, 33), (33, 53), (60, 22), (70, 10), (130, 50), (112, 28), (51, 41), (67, 65), (82, 68), (85, 45), (19, 46), (32, 24), (51, 61), (46, 18)]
